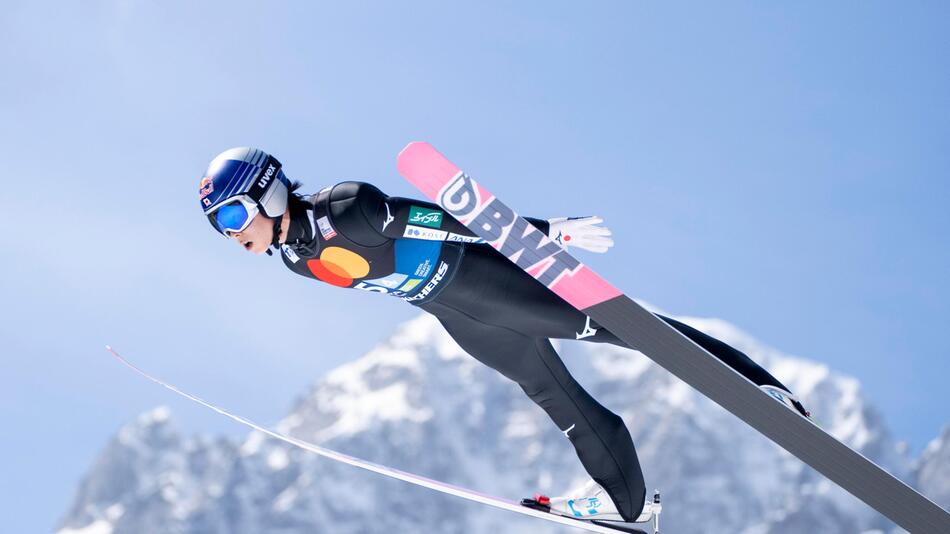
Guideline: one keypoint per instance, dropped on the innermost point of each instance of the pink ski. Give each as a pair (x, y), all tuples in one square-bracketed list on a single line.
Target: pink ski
[(469, 202)]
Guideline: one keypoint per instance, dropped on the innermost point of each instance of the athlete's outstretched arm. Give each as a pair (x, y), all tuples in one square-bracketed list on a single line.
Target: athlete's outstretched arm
[(381, 217)]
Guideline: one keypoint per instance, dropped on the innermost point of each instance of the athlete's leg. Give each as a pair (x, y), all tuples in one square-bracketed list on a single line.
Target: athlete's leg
[(726, 353), (730, 356), (524, 304), (599, 437)]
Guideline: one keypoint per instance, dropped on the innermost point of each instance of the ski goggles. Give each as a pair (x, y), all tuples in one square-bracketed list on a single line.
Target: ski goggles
[(233, 216)]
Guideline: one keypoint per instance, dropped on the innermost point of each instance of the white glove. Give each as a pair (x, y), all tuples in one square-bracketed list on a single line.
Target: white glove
[(580, 232)]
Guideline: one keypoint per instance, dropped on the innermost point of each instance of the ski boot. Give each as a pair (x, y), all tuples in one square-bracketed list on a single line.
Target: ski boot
[(786, 398), (591, 503)]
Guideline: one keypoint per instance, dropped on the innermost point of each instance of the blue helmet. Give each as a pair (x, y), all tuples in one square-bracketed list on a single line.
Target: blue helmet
[(240, 182)]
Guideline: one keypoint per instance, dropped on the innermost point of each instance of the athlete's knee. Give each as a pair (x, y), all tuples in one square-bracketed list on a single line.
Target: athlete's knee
[(541, 392), (616, 426)]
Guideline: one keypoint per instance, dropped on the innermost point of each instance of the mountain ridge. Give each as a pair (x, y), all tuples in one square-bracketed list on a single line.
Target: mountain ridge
[(417, 402)]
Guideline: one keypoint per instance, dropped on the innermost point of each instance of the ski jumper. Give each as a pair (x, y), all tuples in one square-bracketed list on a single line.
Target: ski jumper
[(353, 235)]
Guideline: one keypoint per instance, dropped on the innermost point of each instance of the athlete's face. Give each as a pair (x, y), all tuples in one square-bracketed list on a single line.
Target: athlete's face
[(257, 236)]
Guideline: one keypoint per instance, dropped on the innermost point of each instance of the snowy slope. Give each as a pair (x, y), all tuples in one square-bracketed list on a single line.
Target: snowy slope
[(417, 402)]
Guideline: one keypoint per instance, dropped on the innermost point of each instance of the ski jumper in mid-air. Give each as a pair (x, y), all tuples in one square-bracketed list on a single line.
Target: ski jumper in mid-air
[(352, 235)]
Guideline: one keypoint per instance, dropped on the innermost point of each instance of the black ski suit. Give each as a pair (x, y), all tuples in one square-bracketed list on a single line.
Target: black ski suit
[(352, 235)]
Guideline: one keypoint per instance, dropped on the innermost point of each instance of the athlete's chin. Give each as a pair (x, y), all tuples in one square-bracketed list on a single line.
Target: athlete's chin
[(255, 248)]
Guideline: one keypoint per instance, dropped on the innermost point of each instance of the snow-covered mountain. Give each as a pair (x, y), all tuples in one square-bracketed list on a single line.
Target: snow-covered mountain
[(419, 403), (933, 469)]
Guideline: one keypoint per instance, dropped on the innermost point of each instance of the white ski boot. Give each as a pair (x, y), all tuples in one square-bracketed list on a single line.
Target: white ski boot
[(590, 502)]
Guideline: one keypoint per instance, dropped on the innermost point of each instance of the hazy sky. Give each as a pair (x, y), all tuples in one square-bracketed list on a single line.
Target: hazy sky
[(781, 166)]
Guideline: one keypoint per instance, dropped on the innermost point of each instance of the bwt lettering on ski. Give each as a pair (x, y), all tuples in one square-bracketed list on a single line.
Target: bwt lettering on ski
[(534, 250), (519, 241)]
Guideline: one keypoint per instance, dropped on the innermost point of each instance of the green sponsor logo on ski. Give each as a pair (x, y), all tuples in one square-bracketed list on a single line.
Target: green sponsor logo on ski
[(425, 217)]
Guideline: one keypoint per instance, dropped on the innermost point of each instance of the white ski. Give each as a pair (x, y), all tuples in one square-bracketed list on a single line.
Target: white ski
[(504, 504)]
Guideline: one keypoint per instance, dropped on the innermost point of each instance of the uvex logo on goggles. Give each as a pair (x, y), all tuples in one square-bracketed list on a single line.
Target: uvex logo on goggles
[(268, 174), (269, 170)]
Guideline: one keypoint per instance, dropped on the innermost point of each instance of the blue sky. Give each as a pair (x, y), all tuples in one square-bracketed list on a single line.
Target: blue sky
[(781, 166)]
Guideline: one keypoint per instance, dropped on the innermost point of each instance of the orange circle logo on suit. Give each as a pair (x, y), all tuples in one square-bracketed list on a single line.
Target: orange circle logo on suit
[(338, 266)]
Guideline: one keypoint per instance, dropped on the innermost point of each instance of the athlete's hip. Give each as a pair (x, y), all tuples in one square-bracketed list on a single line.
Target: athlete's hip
[(488, 288)]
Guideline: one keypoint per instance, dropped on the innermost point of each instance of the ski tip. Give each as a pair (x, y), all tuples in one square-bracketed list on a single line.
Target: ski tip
[(412, 152), (109, 348), (414, 145)]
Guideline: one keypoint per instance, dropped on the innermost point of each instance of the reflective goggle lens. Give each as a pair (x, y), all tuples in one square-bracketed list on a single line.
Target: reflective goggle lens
[(232, 217)]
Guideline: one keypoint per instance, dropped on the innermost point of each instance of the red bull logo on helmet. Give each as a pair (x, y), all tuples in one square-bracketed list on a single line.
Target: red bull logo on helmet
[(205, 188)]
